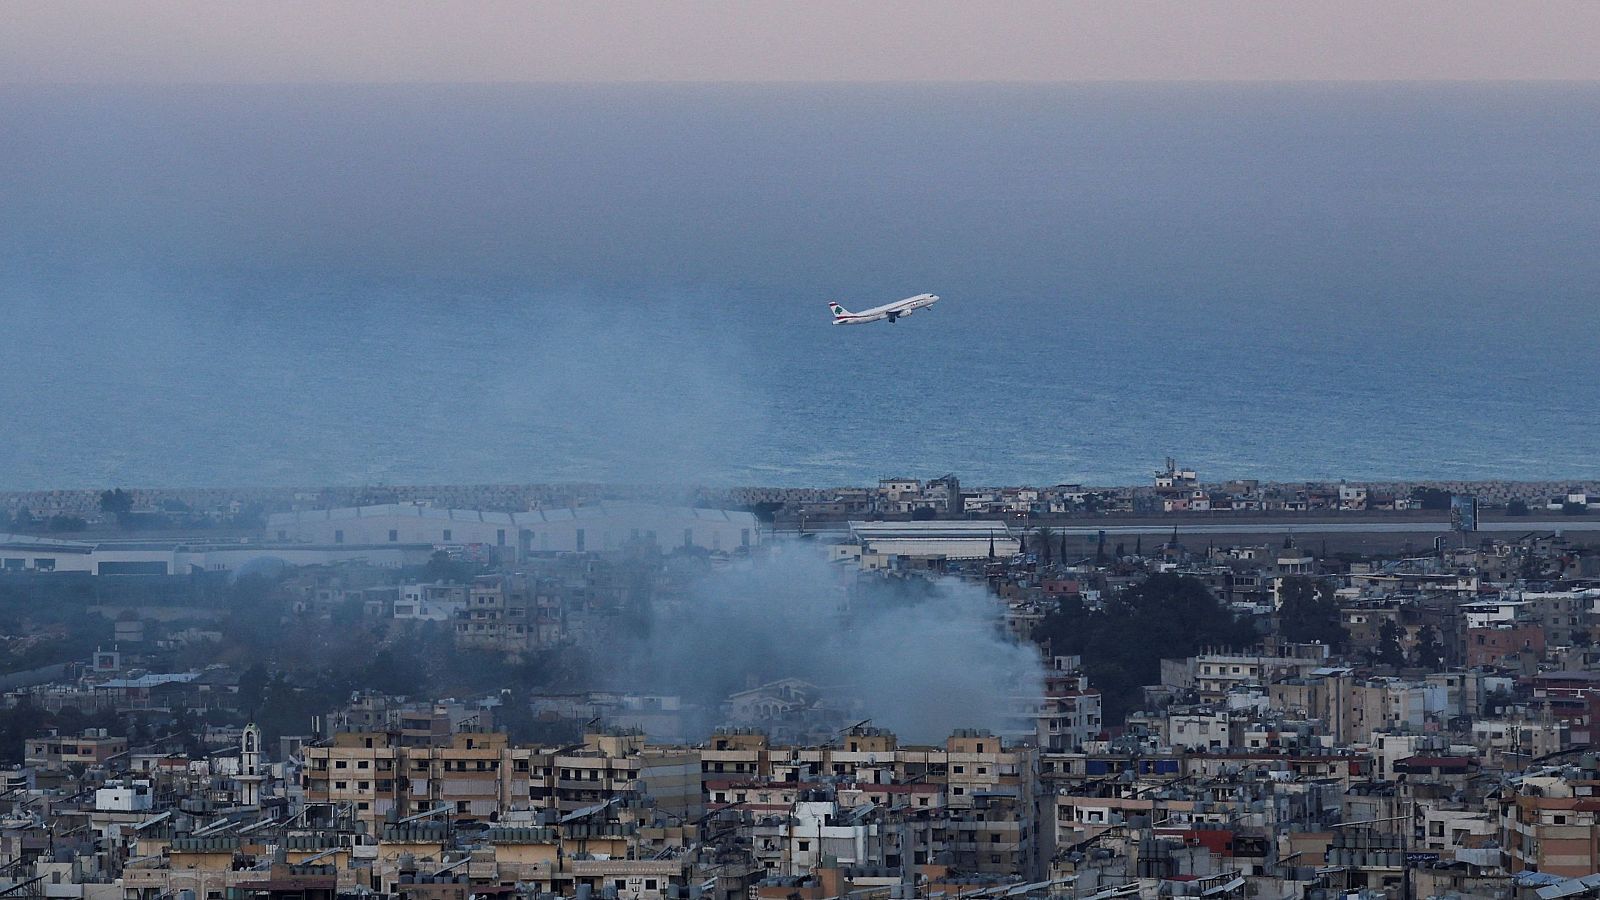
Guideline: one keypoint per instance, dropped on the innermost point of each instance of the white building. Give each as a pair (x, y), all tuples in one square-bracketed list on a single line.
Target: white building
[(123, 796), (600, 527), (1493, 613), (430, 602), (147, 557), (948, 539)]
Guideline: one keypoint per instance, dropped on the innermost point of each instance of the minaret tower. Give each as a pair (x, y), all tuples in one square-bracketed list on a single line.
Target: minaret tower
[(250, 774)]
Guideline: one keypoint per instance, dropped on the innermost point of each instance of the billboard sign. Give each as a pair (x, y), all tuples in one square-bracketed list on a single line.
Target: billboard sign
[(1463, 512)]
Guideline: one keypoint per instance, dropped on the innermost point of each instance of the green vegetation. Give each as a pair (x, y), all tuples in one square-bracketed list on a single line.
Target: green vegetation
[(1308, 612), (1429, 651), (1389, 652), (1122, 644), (1431, 498)]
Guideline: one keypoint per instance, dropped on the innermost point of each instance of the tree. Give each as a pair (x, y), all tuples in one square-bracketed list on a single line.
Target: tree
[(1123, 643), (253, 688), (441, 567), (1431, 497), (1517, 508), (1389, 651), (924, 514), (388, 674), (1042, 541), (24, 519), (116, 502), (1429, 653), (1307, 612), (1574, 508), (515, 715)]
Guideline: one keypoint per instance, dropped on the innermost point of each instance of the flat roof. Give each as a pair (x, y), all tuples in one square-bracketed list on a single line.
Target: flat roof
[(602, 510), (932, 529)]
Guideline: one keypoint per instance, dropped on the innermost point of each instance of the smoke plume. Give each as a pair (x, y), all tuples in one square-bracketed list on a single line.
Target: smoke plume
[(918, 658)]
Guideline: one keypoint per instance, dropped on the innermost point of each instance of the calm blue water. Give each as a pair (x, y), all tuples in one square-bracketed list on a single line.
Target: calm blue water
[(357, 285)]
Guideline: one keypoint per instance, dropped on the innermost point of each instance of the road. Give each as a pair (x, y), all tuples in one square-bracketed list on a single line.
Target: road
[(1509, 527)]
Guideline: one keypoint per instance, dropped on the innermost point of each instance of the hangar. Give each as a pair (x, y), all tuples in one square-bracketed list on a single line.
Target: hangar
[(28, 553), (946, 539), (598, 527)]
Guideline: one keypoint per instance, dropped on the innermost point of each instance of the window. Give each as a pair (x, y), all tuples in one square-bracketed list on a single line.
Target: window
[(960, 770), (802, 846), (394, 535), (447, 535), (620, 884), (649, 884), (338, 536)]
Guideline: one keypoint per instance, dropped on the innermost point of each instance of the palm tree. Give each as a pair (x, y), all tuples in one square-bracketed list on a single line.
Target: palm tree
[(1043, 543)]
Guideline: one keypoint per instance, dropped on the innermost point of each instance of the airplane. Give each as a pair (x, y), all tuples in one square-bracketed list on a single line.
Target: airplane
[(891, 311)]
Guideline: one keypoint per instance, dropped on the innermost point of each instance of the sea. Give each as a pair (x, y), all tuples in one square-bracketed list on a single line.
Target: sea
[(364, 285)]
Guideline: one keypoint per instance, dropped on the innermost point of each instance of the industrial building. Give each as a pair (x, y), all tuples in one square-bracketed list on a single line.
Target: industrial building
[(931, 539), (600, 527), (27, 553)]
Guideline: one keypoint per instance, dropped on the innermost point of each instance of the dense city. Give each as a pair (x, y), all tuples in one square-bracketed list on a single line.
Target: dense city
[(903, 691)]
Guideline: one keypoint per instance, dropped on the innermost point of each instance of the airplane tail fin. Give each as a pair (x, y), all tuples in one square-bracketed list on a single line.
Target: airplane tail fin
[(837, 309)]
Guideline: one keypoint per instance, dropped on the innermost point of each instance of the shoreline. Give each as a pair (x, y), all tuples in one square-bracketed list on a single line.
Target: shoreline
[(516, 497)]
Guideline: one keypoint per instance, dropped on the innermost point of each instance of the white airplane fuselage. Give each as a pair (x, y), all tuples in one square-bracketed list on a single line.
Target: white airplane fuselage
[(890, 311)]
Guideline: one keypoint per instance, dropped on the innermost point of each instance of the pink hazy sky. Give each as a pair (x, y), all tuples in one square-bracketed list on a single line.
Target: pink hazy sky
[(114, 41)]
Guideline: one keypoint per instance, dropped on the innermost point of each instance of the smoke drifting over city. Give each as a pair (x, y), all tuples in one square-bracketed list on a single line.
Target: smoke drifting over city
[(918, 658)]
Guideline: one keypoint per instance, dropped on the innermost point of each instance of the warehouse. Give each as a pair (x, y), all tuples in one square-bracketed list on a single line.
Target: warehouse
[(946, 539), (27, 553), (599, 527)]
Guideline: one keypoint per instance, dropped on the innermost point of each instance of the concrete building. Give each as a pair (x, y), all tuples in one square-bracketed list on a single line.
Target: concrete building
[(1551, 823), (943, 539), (23, 553), (510, 536)]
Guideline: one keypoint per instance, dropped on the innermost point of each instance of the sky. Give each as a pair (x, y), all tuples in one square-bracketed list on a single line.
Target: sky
[(396, 41)]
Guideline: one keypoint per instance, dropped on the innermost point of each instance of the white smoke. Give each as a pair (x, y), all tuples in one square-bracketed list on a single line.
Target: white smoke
[(919, 659)]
